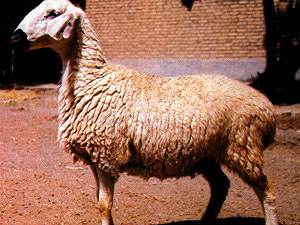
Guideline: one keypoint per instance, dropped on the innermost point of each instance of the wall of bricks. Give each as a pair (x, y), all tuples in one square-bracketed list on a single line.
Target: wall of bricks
[(164, 29)]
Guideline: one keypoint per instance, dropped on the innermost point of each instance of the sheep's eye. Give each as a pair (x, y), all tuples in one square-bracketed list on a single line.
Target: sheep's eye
[(52, 14)]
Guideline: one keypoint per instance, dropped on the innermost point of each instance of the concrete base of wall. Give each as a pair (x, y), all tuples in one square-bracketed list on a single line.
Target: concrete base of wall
[(239, 69)]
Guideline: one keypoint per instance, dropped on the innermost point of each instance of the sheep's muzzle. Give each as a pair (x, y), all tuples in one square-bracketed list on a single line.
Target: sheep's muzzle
[(19, 41)]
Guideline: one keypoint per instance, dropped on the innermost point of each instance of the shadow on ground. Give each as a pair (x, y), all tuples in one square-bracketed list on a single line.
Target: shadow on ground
[(224, 221)]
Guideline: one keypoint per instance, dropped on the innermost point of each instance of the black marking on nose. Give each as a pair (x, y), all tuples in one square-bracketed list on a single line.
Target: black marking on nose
[(19, 41)]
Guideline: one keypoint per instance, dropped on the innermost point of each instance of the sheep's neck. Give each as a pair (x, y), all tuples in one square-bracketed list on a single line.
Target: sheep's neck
[(89, 54), (84, 52), (84, 58)]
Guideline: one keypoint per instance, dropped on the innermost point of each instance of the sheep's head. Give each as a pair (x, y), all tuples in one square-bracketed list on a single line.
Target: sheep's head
[(48, 25)]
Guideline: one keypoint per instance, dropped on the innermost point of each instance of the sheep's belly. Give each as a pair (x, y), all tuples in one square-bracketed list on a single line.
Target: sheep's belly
[(164, 171)]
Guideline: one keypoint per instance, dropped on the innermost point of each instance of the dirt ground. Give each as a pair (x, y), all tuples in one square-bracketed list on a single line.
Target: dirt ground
[(39, 184)]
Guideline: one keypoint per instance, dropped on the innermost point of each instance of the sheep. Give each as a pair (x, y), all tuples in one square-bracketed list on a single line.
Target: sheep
[(119, 120)]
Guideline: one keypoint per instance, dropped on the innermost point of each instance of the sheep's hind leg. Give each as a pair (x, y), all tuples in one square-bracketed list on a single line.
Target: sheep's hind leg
[(219, 185), (264, 190), (105, 186), (262, 187)]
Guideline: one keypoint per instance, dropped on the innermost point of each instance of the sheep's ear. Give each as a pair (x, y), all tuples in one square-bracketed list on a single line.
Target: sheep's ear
[(61, 27)]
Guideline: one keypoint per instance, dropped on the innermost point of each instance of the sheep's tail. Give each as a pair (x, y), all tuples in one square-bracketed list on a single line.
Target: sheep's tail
[(269, 136), (245, 157), (245, 152)]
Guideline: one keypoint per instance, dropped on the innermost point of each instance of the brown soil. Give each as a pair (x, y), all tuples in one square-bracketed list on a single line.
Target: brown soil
[(40, 185)]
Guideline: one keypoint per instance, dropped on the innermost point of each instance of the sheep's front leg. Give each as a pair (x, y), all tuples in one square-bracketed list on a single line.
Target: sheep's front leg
[(106, 192), (95, 173)]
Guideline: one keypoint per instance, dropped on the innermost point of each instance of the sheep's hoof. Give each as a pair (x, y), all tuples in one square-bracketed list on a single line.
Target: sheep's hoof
[(107, 222), (207, 221)]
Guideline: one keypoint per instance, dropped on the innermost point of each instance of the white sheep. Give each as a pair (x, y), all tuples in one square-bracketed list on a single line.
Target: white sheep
[(119, 120)]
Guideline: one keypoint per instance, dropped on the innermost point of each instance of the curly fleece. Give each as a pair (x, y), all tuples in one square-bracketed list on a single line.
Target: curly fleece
[(127, 121)]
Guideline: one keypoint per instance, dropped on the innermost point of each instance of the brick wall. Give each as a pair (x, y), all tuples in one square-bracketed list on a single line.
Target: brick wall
[(163, 29)]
